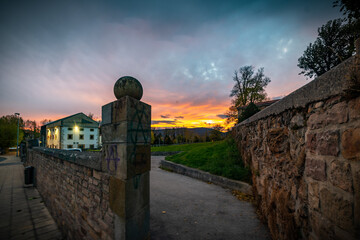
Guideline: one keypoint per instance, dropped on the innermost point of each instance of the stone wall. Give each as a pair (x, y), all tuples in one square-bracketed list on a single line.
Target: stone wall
[(304, 152), (101, 195), (75, 190)]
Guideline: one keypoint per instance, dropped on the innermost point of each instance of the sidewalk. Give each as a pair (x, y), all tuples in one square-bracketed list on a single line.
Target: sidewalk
[(23, 214)]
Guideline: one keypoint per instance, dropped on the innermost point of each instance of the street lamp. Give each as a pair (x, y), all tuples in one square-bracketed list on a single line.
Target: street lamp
[(17, 139)]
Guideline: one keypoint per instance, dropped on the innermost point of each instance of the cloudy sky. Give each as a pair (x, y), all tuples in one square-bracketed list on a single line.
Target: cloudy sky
[(58, 58)]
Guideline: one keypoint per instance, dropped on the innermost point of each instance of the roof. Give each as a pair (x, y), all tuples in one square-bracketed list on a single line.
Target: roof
[(79, 119)]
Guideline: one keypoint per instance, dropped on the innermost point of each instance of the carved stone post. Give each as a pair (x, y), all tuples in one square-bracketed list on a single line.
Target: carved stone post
[(126, 137)]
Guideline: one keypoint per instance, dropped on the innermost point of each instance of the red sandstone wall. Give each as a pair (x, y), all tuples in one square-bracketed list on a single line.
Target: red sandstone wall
[(77, 196), (306, 165)]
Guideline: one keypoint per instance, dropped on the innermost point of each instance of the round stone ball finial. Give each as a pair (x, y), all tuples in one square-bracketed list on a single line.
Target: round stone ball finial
[(128, 86)]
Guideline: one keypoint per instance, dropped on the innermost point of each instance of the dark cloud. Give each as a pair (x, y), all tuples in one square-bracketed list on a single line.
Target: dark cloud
[(162, 122), (77, 49), (222, 116), (179, 117), (165, 116)]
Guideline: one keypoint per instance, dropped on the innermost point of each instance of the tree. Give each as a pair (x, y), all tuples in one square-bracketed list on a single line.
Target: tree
[(334, 44), (249, 87), (31, 131), (250, 110), (8, 131), (216, 134), (45, 121), (152, 136), (351, 8), (91, 115)]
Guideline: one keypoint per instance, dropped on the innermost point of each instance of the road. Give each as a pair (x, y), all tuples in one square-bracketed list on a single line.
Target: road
[(185, 208)]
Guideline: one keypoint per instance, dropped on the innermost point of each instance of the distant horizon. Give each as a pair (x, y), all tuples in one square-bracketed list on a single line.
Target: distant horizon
[(59, 58)]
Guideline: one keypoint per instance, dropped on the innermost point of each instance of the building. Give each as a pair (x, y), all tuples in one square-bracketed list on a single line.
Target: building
[(75, 131)]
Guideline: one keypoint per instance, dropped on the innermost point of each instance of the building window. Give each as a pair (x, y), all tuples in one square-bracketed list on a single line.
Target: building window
[(70, 136), (91, 129), (91, 137), (82, 146), (69, 146), (81, 129), (92, 146), (81, 136), (69, 129)]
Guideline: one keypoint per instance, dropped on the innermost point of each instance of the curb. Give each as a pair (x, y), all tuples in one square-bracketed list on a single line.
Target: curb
[(207, 177)]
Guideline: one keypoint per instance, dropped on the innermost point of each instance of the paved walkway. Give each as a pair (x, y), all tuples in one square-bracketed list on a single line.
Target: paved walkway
[(180, 208), (185, 208), (23, 214)]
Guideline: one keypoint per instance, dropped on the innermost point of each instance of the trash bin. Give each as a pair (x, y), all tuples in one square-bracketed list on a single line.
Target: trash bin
[(29, 175)]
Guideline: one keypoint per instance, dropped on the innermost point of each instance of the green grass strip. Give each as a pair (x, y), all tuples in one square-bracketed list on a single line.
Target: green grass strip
[(220, 158)]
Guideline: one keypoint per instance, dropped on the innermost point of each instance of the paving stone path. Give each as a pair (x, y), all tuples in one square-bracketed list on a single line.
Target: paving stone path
[(23, 214), (185, 208)]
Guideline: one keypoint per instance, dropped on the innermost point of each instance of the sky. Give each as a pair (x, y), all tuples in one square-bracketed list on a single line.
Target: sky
[(58, 58)]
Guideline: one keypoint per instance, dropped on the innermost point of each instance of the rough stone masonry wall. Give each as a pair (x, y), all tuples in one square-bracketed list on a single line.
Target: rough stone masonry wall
[(75, 191), (304, 152)]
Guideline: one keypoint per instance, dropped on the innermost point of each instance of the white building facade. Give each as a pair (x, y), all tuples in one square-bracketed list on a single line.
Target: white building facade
[(75, 131)]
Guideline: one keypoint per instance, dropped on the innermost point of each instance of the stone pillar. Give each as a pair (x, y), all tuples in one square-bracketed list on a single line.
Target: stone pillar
[(126, 136)]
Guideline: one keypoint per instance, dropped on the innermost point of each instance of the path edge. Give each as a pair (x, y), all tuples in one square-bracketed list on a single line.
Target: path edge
[(206, 177)]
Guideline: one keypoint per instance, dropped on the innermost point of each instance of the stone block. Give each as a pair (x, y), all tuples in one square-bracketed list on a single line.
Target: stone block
[(340, 175), (316, 120), (297, 122), (316, 169), (126, 109), (354, 108), (337, 114), (311, 142), (350, 142), (277, 139), (126, 132), (127, 197), (337, 209), (313, 196), (136, 227), (328, 143), (125, 161), (318, 104), (356, 180)]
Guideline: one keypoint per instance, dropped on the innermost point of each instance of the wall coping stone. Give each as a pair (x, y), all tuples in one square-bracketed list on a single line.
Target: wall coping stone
[(87, 159), (335, 82)]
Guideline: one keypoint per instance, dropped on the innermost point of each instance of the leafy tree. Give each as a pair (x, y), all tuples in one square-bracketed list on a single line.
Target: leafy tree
[(32, 130), (167, 140), (216, 134), (250, 110), (249, 87), (152, 136), (45, 121), (8, 131), (351, 8), (334, 44), (90, 115)]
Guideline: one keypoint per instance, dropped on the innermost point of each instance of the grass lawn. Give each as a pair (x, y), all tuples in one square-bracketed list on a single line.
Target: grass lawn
[(219, 158)]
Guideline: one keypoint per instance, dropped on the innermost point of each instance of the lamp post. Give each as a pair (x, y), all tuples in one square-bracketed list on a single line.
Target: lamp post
[(17, 138)]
